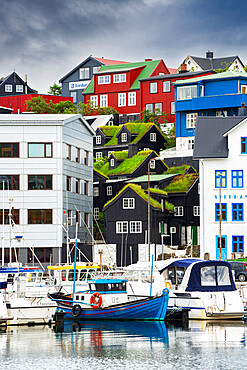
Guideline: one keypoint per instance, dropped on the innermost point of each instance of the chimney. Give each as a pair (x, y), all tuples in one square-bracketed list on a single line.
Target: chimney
[(148, 60), (25, 84), (183, 68), (209, 54)]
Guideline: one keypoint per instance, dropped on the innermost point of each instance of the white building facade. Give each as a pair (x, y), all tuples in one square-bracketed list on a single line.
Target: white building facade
[(46, 175)]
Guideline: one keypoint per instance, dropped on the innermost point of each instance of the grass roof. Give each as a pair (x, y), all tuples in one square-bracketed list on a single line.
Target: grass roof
[(138, 190), (129, 165), (157, 191), (181, 184), (100, 173), (180, 169), (123, 154)]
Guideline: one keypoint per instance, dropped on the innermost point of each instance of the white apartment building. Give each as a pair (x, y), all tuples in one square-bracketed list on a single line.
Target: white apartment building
[(221, 146), (46, 175)]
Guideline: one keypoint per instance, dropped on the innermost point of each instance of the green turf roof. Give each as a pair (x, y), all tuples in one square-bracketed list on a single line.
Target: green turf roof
[(179, 170), (130, 164), (181, 184), (137, 189), (100, 173), (149, 67), (157, 191), (123, 154), (152, 178)]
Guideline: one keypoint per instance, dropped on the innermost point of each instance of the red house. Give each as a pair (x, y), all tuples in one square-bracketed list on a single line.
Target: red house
[(18, 102), (118, 85), (157, 92)]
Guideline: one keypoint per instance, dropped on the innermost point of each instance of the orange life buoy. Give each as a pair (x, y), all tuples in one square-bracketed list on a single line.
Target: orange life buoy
[(96, 300), (168, 285)]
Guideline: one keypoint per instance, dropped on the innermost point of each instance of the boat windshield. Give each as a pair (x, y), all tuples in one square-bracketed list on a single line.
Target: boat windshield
[(208, 276), (136, 275)]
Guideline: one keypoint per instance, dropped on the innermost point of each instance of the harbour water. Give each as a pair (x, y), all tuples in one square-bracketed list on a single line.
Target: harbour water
[(125, 345)]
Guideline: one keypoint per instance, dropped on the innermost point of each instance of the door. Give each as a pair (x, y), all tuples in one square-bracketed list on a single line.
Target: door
[(223, 247)]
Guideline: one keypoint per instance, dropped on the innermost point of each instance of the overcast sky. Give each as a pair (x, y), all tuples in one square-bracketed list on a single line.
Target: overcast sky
[(45, 39)]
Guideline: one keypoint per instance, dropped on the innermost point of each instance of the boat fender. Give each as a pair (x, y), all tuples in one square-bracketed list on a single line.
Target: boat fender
[(76, 310), (168, 285), (96, 300)]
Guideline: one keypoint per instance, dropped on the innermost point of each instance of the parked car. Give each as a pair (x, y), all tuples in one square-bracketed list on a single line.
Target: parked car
[(240, 270)]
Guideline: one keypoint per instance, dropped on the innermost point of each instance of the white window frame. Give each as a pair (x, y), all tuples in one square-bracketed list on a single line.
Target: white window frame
[(135, 227), (96, 191), (98, 155), (202, 90), (98, 139), (158, 106), (122, 99), (19, 88), (149, 107), (186, 92), (178, 211), (121, 227), (96, 68), (128, 203), (152, 164), (243, 89), (118, 78), (124, 137), (191, 120), (166, 86), (84, 73), (104, 80), (8, 88), (132, 98), (196, 210), (103, 101), (153, 136), (173, 107), (96, 213), (112, 162), (153, 87), (73, 94), (109, 190), (94, 101)]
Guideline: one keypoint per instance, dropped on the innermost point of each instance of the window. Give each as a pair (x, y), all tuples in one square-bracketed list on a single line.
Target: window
[(77, 186), (122, 99), (96, 213), (8, 88), (237, 178), (153, 87), (43, 254), (196, 210), (86, 157), (40, 216), (158, 108), (86, 219), (191, 120), (135, 227), (11, 182), (149, 107), (104, 80), (9, 150), (186, 92), (68, 183), (78, 217), (119, 78), (243, 145), (121, 227), (39, 150), (132, 98), (84, 73), (14, 216), (152, 164), (223, 211), (220, 179), (172, 107), (191, 144), (103, 101), (237, 212), (98, 155), (201, 90), (98, 139), (94, 101), (153, 136), (78, 155), (243, 89), (124, 137), (178, 211), (73, 94), (95, 69), (109, 190), (166, 86), (96, 191), (112, 162), (19, 88), (86, 188), (238, 244), (68, 152), (39, 182), (128, 203)]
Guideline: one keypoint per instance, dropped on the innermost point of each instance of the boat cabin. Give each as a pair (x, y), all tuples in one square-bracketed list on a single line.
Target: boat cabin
[(64, 275)]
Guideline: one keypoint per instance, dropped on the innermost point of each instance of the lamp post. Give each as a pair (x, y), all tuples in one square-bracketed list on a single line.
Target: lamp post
[(220, 226)]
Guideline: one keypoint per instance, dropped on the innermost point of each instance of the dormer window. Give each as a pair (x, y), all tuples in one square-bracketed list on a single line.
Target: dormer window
[(152, 164), (153, 136), (124, 137), (104, 79), (98, 139), (112, 162), (119, 78)]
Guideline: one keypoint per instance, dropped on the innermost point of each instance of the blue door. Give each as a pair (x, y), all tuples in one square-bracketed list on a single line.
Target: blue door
[(223, 247)]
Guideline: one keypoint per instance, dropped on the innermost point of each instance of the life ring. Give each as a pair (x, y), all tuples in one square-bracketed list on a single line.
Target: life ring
[(76, 310), (168, 285), (96, 300)]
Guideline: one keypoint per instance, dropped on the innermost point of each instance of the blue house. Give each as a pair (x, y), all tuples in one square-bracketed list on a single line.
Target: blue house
[(218, 95)]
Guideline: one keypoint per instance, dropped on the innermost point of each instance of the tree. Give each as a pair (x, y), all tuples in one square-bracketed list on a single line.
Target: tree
[(155, 117), (170, 137), (55, 89), (40, 105), (87, 109), (65, 107)]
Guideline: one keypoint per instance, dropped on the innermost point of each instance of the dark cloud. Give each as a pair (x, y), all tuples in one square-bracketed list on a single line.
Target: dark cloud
[(45, 39)]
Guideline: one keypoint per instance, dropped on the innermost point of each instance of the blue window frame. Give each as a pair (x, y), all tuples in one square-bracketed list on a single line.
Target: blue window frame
[(237, 179), (243, 145), (220, 179), (237, 212), (237, 243), (223, 211)]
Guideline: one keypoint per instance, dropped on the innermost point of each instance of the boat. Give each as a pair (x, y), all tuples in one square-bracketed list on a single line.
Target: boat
[(4, 316), (107, 299)]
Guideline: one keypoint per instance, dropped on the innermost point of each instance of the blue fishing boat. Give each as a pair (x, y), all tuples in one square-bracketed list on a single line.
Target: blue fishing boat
[(107, 299)]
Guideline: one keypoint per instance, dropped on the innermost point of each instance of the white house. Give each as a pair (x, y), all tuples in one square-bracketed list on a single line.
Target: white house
[(221, 147), (46, 175)]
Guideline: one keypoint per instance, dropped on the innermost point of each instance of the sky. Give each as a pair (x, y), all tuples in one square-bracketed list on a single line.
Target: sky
[(45, 39)]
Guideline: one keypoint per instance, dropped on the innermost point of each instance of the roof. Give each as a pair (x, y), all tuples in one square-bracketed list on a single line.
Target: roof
[(98, 121), (215, 76), (149, 67), (5, 79), (176, 75), (214, 63), (179, 169), (100, 173), (152, 178), (209, 139), (181, 183), (109, 62)]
